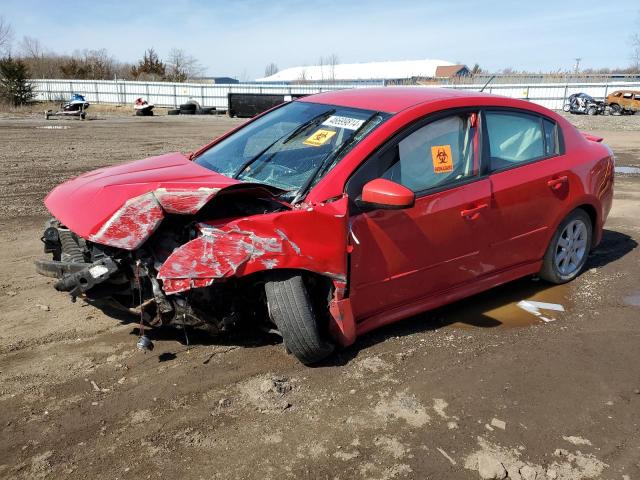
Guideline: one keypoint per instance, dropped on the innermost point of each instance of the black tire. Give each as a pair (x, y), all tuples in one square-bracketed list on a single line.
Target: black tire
[(291, 310), (566, 107), (173, 111), (550, 271), (206, 110), (615, 109), (592, 111)]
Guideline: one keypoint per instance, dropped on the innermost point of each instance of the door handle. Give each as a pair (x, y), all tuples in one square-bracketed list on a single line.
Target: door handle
[(556, 183), (473, 213)]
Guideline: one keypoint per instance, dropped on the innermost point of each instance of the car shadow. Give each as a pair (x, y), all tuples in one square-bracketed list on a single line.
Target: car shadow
[(490, 309)]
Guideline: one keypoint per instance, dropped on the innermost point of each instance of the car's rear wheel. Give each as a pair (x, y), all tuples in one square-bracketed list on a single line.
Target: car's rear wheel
[(291, 309), (592, 111), (566, 107), (567, 253)]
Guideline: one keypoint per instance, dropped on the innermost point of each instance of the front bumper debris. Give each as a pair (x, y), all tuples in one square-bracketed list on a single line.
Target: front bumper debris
[(84, 277)]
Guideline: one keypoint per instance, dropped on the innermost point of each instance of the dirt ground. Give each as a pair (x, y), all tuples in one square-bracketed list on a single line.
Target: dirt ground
[(480, 385)]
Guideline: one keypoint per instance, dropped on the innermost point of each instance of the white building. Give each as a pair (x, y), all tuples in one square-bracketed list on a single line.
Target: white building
[(359, 71)]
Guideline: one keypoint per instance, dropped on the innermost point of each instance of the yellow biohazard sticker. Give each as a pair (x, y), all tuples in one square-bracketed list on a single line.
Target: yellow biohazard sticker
[(319, 138), (442, 159)]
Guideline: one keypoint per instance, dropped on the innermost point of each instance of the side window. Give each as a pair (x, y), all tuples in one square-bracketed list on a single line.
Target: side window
[(441, 152), (627, 95), (637, 96), (514, 138)]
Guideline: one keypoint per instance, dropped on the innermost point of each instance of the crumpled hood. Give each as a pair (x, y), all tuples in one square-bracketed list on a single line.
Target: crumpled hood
[(122, 205)]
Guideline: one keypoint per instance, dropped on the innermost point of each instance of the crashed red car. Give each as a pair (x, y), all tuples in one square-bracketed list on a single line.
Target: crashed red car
[(335, 214)]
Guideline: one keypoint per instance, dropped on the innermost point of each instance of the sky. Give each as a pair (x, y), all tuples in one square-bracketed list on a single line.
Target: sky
[(239, 38)]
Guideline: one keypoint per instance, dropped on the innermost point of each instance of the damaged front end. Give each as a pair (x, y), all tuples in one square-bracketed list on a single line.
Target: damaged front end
[(198, 256)]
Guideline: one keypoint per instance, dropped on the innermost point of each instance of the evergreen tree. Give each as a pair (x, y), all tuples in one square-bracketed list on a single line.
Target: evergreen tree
[(14, 82)]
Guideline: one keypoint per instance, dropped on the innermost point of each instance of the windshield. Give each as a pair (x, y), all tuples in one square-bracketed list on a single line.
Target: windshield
[(292, 147)]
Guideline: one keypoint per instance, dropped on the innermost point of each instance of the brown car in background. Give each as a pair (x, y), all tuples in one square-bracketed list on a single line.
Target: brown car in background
[(624, 101)]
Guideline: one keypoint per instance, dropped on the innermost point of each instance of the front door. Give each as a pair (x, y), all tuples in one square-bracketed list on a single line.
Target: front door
[(400, 256)]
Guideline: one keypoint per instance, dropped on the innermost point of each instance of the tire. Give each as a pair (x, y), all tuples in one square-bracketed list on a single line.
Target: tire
[(566, 107), (615, 109), (592, 111), (559, 271), (187, 112), (173, 111), (206, 110), (291, 310)]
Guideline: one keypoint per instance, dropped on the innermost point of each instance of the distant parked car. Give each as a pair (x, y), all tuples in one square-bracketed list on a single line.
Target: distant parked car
[(624, 101), (335, 214), (581, 103)]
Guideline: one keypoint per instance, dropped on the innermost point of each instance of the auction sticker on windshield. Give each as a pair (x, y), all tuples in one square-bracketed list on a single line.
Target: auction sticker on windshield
[(349, 123), (319, 138)]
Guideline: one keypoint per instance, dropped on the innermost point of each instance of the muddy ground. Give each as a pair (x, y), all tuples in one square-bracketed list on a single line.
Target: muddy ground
[(479, 385)]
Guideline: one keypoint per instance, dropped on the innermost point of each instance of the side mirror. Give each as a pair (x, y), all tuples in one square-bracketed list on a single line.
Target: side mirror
[(383, 193)]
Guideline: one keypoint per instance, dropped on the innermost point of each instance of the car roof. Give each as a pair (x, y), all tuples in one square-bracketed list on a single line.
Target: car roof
[(390, 99)]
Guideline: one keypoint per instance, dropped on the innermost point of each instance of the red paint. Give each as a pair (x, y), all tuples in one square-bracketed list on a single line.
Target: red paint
[(292, 239), (385, 264)]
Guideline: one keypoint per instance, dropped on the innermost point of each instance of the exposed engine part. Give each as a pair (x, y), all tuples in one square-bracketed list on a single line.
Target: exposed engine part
[(71, 249)]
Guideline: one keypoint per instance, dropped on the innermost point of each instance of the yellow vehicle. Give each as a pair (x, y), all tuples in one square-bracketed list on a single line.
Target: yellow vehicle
[(624, 101)]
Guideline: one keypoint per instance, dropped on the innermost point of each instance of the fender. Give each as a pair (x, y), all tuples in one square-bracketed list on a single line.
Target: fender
[(310, 237)]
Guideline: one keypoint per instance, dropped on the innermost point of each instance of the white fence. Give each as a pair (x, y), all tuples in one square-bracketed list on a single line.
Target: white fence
[(167, 94), (550, 95)]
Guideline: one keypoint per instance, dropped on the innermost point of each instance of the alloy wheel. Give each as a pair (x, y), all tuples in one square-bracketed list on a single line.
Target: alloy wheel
[(571, 248)]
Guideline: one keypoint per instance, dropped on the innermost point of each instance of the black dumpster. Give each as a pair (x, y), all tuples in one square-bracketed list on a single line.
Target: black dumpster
[(246, 105)]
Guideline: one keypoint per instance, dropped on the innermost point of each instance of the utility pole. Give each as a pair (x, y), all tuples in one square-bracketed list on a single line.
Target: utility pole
[(577, 67)]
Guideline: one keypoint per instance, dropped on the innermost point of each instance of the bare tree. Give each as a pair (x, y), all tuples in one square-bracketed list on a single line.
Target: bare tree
[(634, 42), (182, 66), (635, 51), (332, 61), (31, 48), (270, 69), (6, 35), (302, 76)]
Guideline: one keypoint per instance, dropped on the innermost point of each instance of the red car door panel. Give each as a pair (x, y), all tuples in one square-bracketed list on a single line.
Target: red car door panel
[(402, 255), (525, 203)]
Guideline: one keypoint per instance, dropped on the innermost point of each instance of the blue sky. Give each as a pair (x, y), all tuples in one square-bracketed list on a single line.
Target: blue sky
[(238, 38)]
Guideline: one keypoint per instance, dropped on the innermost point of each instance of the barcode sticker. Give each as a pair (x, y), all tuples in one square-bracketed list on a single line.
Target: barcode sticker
[(343, 122)]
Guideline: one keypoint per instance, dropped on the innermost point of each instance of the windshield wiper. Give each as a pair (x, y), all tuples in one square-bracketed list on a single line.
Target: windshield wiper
[(249, 162), (288, 138), (303, 189), (307, 124)]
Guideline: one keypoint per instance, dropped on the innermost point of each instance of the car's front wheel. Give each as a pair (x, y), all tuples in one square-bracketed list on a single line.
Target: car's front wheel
[(292, 310), (567, 253)]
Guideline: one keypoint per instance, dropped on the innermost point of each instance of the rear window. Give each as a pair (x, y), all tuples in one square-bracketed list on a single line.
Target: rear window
[(514, 138)]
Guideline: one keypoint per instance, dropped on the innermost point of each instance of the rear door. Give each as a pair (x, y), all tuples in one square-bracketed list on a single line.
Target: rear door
[(530, 182), (399, 256)]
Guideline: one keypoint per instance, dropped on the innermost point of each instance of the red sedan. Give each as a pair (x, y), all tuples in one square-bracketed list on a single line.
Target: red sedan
[(335, 214)]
